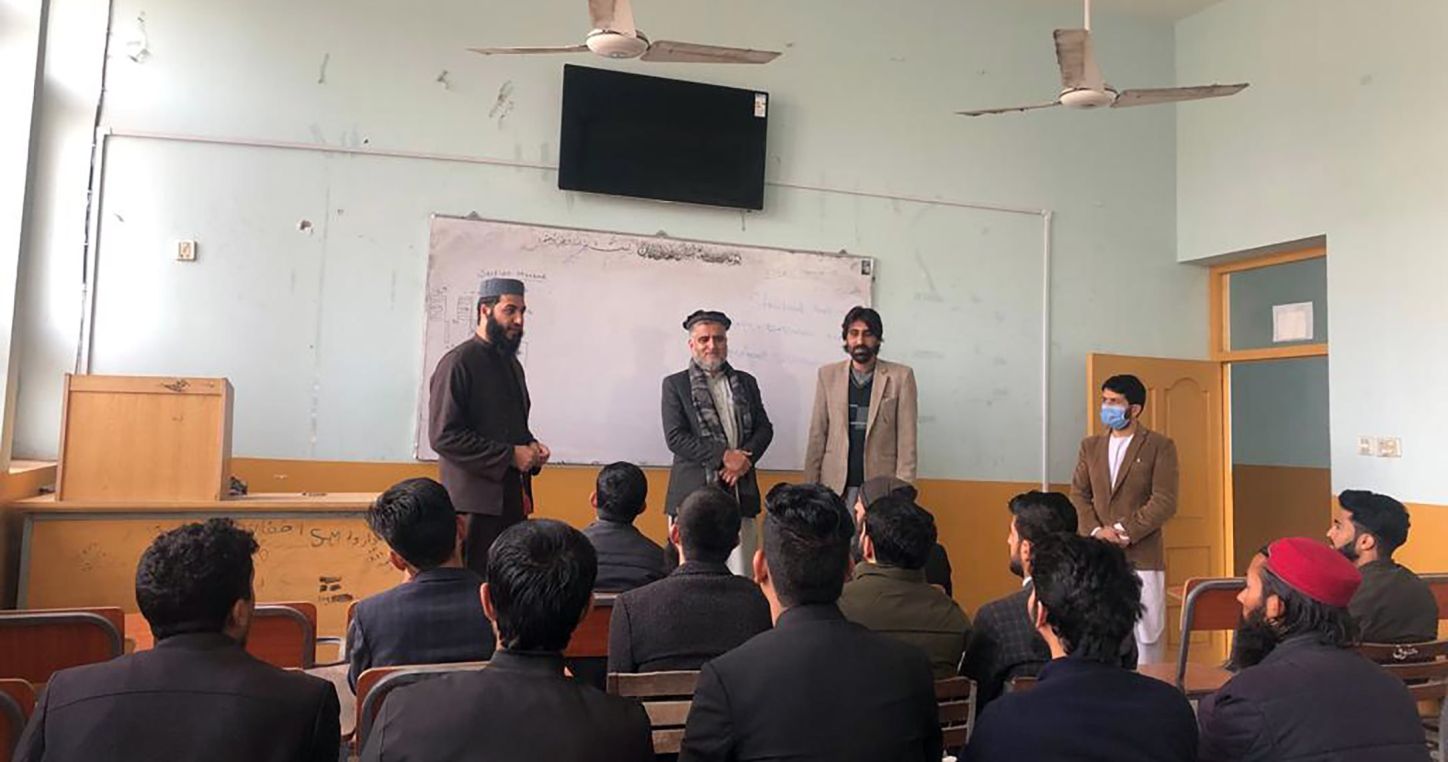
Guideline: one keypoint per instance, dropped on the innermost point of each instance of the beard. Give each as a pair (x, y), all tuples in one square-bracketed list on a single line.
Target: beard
[(1255, 638), (498, 337), (861, 353), (1350, 551), (709, 364), (1016, 567)]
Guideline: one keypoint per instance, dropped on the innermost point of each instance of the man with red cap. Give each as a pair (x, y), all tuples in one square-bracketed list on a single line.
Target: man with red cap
[(1302, 692)]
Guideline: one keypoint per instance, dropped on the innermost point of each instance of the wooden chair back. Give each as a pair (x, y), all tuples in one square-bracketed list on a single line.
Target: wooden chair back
[(34, 643), (1404, 653), (284, 634), (956, 697), (1427, 680), (17, 701), (1438, 583), (375, 684), (590, 640), (1021, 683), (1208, 604), (666, 697)]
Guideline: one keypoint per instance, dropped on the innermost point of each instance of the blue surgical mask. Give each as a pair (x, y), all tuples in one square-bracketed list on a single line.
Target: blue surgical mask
[(1114, 417)]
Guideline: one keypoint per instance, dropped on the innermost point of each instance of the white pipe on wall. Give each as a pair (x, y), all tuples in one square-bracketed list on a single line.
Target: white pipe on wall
[(104, 135)]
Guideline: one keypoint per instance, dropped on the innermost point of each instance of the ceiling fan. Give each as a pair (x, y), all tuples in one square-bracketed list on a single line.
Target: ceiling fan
[(615, 36), (1083, 87)]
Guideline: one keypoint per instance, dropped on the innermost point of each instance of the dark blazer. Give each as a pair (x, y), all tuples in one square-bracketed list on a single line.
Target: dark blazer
[(900, 603), (1311, 701), (816, 687), (1085, 710), (626, 558), (435, 618), (520, 707), (693, 615), (937, 568), (192, 697), (1143, 498), (1394, 605), (697, 461)]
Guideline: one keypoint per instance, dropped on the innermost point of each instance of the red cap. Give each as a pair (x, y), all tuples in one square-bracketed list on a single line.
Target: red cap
[(1314, 569)]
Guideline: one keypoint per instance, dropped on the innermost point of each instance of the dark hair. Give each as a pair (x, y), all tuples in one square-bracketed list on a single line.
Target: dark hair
[(1378, 515), (190, 577), (1301, 615), (902, 532), (1091, 595), (807, 543), (416, 519), (864, 315), (540, 577), (1038, 514), (491, 301), (622, 489), (708, 524), (1129, 387)]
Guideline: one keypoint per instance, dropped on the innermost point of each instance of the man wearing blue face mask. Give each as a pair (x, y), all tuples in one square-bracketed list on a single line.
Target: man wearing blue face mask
[(1124, 490)]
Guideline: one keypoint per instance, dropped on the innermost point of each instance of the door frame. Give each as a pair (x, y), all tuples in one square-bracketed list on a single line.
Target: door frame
[(1220, 336)]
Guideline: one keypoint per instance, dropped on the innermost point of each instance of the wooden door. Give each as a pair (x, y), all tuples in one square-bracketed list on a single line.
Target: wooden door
[(1184, 402)]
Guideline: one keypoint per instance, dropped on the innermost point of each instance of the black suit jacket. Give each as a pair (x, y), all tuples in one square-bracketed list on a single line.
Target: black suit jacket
[(816, 687), (520, 707), (1085, 710), (684, 620), (435, 618), (696, 460), (626, 558), (1311, 701), (1004, 645), (192, 697)]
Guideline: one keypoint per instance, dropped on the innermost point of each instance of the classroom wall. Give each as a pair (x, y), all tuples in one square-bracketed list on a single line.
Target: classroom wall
[(319, 324), (1336, 138)]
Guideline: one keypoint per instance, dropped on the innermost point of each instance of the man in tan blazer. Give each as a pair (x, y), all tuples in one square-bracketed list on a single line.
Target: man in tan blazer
[(1124, 490), (864, 417)]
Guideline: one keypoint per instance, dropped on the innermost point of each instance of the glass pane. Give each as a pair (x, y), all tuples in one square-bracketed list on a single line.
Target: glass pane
[(1269, 306)]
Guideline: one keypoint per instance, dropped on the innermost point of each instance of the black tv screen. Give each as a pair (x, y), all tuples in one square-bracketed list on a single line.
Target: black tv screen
[(650, 137)]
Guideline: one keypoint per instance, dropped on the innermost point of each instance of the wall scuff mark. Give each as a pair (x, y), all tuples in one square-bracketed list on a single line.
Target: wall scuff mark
[(322, 70), (138, 48), (503, 105)]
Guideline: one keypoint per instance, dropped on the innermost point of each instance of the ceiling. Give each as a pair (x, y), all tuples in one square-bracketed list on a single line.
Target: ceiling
[(1161, 9)]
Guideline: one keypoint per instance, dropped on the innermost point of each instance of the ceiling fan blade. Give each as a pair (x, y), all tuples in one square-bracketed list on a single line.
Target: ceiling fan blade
[(1077, 60), (989, 111), (1151, 97), (530, 50), (671, 51), (613, 15)]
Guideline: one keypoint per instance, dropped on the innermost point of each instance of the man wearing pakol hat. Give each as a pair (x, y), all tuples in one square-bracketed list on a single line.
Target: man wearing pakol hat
[(1303, 692), (716, 427), (478, 423)]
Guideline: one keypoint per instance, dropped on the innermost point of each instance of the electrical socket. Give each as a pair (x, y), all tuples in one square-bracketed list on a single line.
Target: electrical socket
[(1390, 447), (185, 251), (1367, 446)]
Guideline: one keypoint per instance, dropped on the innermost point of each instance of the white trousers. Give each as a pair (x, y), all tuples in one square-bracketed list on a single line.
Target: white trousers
[(1151, 627), (741, 560)]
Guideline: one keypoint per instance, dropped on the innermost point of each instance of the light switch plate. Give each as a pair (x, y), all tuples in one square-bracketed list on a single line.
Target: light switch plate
[(1390, 447), (1366, 446), (185, 251)]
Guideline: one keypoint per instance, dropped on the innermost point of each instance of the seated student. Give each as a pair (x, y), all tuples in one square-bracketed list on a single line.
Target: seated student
[(1393, 605), (1085, 601), (937, 565), (889, 593), (699, 611), (1005, 644), (817, 686), (1303, 692), (522, 706), (626, 558), (435, 616), (198, 694)]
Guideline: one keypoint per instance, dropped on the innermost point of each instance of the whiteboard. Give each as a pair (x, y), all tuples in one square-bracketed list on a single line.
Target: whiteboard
[(604, 326)]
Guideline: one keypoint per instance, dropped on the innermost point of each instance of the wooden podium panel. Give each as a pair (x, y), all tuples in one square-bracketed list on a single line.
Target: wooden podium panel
[(145, 438)]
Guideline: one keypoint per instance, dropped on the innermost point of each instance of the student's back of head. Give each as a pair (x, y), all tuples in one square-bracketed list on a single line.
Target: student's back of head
[(417, 521), (1090, 594), (897, 532), (198, 578), (540, 582), (620, 492), (1037, 514), (708, 525), (806, 543)]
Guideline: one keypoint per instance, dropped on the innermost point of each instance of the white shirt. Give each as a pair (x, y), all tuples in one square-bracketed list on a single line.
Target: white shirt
[(723, 396), (1116, 454)]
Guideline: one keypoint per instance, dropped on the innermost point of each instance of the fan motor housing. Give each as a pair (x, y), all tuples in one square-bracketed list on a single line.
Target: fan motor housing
[(611, 44), (1086, 99)]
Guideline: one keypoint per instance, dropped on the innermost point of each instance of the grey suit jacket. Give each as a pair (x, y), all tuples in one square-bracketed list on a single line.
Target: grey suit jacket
[(889, 434), (696, 460)]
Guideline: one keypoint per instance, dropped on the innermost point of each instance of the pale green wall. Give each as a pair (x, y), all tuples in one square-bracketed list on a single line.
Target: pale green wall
[(1342, 135), (1280, 413), (321, 331)]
